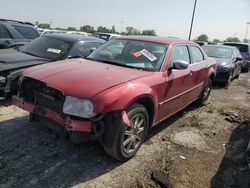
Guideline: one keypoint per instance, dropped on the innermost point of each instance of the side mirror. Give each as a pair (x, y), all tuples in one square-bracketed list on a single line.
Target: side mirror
[(239, 58), (180, 65)]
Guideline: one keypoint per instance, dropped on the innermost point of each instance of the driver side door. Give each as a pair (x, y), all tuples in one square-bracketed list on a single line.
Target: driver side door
[(178, 85)]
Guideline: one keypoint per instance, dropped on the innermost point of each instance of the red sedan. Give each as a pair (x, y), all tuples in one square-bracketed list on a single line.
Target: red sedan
[(118, 92)]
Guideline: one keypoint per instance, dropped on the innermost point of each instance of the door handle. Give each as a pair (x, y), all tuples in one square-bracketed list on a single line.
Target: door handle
[(191, 73)]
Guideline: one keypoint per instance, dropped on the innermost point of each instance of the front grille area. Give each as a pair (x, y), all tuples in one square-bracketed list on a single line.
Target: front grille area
[(38, 93)]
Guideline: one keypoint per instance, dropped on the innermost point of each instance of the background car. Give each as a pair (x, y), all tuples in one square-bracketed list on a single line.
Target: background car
[(116, 96), (16, 33), (44, 49), (106, 36), (229, 62), (245, 53)]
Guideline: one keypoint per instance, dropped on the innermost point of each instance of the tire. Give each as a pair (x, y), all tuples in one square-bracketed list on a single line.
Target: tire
[(229, 80), (126, 140), (204, 96), (238, 75)]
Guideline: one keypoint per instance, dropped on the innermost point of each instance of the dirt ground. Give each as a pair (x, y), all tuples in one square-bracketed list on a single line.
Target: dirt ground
[(197, 148)]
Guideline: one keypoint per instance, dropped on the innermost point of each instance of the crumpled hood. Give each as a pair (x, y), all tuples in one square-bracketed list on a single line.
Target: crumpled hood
[(83, 78), (17, 59)]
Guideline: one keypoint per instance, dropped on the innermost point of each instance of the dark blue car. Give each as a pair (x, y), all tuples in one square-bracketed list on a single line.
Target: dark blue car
[(229, 62)]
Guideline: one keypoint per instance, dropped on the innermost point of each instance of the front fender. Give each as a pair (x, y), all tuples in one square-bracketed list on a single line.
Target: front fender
[(119, 98)]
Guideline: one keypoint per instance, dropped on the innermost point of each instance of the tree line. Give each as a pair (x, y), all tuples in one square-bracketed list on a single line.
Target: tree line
[(205, 38), (90, 29)]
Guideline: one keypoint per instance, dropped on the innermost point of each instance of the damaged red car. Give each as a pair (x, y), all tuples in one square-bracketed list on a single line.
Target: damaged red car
[(119, 92)]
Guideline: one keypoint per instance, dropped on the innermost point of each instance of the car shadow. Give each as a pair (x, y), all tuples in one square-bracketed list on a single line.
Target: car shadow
[(218, 86), (234, 170), (33, 156), (5, 102), (169, 121)]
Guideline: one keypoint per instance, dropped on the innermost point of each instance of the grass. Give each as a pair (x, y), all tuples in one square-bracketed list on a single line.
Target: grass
[(193, 121)]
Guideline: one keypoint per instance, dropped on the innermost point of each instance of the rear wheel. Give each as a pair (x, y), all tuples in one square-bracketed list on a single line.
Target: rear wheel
[(203, 99), (238, 75), (127, 140)]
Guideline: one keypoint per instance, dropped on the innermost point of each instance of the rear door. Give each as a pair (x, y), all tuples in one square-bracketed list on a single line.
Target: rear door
[(199, 69), (6, 40), (238, 63)]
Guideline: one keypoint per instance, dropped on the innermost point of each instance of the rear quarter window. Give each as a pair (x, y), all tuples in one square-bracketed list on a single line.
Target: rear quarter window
[(196, 54), (4, 33), (27, 32)]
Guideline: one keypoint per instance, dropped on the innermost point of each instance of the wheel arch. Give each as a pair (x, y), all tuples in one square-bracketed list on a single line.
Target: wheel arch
[(148, 103)]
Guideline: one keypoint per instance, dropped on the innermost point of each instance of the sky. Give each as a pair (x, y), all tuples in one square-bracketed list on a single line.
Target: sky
[(217, 18)]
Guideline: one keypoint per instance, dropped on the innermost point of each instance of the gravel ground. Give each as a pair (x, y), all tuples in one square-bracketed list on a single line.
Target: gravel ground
[(198, 147)]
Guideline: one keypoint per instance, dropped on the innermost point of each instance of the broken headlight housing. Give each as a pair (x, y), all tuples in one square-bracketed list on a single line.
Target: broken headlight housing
[(78, 107)]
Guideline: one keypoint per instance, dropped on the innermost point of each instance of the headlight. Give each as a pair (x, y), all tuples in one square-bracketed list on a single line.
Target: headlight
[(224, 64), (78, 107)]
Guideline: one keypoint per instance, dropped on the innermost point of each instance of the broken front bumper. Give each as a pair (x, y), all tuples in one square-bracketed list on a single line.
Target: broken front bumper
[(70, 124)]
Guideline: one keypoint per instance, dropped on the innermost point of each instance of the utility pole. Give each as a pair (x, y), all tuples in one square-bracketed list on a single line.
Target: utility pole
[(121, 26), (191, 27), (247, 31)]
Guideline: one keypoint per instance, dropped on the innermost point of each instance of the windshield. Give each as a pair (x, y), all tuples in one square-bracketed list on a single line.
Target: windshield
[(47, 47), (218, 52), (131, 53)]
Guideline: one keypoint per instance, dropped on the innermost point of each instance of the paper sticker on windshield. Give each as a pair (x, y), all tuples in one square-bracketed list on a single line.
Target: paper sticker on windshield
[(53, 50), (148, 55), (137, 54)]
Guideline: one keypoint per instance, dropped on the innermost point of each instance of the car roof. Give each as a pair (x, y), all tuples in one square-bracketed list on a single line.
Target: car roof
[(237, 43), (111, 34), (74, 37), (162, 40), (17, 22)]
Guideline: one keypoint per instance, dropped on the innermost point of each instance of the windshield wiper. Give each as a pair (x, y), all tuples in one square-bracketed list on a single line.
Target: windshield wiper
[(118, 64)]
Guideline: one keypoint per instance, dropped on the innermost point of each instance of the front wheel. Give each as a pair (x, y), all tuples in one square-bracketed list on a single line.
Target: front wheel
[(127, 140), (203, 99), (229, 79)]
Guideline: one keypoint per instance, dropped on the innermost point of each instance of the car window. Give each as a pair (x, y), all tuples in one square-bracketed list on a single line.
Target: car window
[(131, 53), (218, 51), (180, 53), (4, 33), (196, 54), (47, 47), (27, 32), (235, 53), (243, 48), (84, 49)]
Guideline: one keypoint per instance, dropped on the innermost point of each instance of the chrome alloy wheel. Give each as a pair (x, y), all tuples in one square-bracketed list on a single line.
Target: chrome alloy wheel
[(133, 136)]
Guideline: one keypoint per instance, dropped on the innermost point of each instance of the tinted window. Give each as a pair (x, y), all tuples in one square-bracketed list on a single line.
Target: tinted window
[(131, 53), (243, 48), (4, 33), (84, 50), (47, 47), (27, 32), (180, 53), (196, 54), (218, 51)]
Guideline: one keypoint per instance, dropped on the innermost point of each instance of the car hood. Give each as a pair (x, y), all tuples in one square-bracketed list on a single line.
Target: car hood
[(9, 61), (223, 62), (83, 78)]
